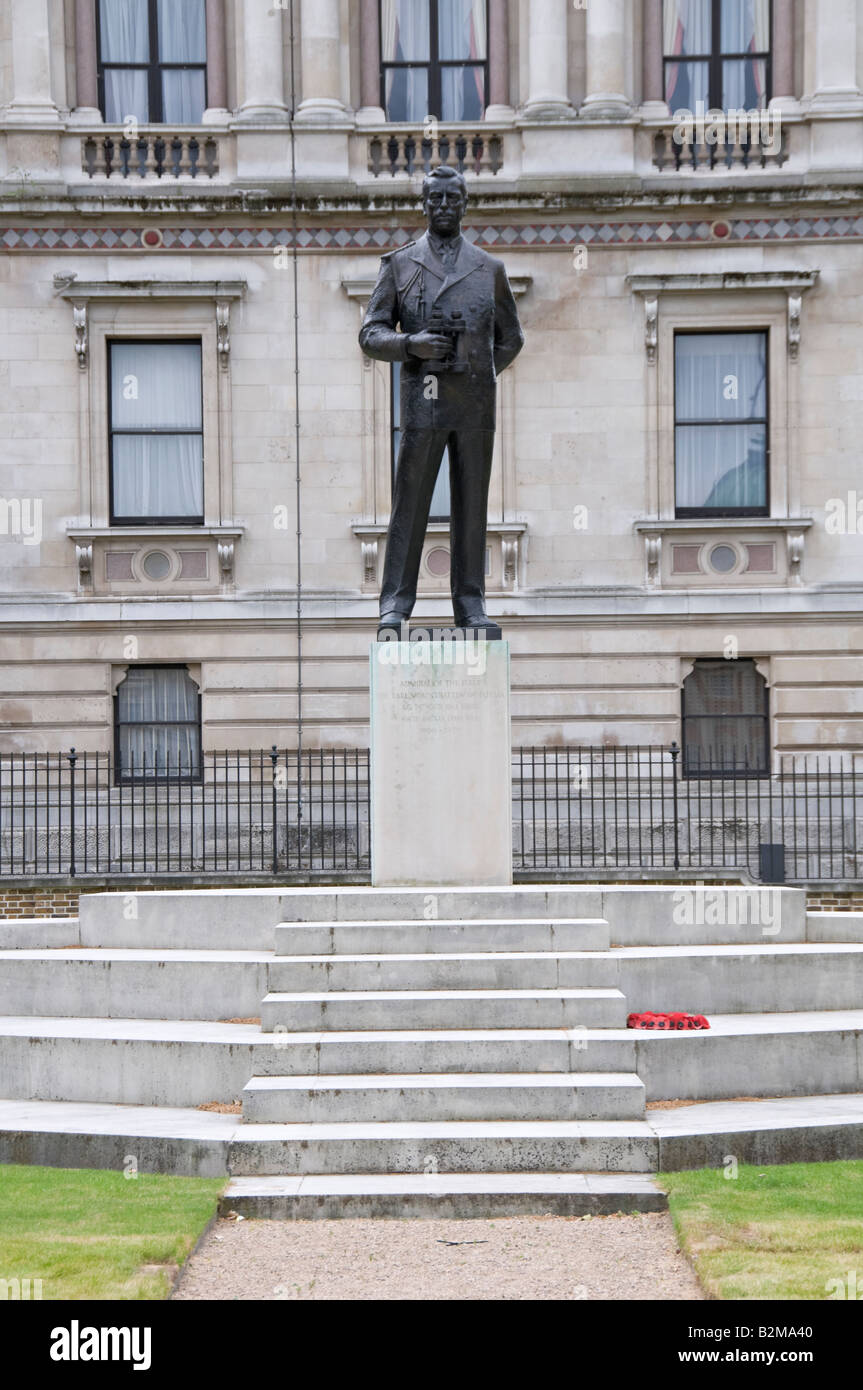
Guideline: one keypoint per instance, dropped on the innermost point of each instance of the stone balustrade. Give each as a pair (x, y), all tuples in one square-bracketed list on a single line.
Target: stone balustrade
[(398, 151), (156, 153)]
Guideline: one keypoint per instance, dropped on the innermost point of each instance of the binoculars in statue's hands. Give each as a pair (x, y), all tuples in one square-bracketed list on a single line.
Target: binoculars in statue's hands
[(451, 326)]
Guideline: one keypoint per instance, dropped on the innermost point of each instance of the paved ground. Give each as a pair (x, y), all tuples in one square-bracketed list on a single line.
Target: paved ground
[(527, 1257)]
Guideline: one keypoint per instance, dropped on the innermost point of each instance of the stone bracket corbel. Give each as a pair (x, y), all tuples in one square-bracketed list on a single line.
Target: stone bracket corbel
[(82, 346), (653, 555), (651, 328), (509, 555), (84, 558), (223, 332), (795, 314), (796, 542), (226, 561), (370, 560)]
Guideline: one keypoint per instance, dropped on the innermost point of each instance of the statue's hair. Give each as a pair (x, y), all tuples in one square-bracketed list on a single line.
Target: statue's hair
[(443, 171)]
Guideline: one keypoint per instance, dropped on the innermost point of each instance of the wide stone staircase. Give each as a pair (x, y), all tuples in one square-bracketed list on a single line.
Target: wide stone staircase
[(419, 1052)]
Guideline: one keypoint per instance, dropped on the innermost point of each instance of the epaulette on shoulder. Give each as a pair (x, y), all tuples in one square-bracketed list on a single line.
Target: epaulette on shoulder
[(404, 246)]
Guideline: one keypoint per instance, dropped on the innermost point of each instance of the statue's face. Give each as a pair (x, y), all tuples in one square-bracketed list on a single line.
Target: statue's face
[(444, 206)]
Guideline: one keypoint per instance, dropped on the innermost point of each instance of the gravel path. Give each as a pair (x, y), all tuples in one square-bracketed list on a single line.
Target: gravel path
[(526, 1257)]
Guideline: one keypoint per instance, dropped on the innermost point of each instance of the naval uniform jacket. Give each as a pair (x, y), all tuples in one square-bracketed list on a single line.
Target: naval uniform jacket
[(411, 283)]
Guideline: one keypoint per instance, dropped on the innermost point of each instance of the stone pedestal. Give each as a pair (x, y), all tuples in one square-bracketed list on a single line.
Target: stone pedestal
[(440, 763)]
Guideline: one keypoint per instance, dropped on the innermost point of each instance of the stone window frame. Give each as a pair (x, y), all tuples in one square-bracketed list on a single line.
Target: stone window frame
[(762, 671), (152, 310), (87, 109), (118, 676), (771, 301)]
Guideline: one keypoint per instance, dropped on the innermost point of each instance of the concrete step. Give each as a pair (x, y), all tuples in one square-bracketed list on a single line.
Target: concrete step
[(224, 918), (457, 1008), (767, 978), (801, 1129), (452, 937), (188, 1142), (186, 1062), (765, 1055), (475, 1146), (451, 1050), (533, 902), (834, 926), (639, 914), (133, 983), (460, 1096), (459, 1195), (477, 970), (124, 1138), (38, 933), (702, 914)]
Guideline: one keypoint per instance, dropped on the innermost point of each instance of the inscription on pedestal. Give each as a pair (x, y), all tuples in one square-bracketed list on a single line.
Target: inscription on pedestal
[(441, 789)]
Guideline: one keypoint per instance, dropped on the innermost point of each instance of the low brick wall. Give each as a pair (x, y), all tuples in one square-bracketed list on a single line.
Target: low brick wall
[(38, 902), (823, 900)]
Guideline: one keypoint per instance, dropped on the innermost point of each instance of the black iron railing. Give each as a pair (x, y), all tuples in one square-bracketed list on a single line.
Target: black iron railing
[(576, 811), (627, 808), (235, 812)]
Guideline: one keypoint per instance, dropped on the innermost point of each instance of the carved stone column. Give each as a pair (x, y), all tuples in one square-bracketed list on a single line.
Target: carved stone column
[(606, 61), (371, 112), (217, 76), (653, 72), (86, 109), (499, 106), (264, 84), (835, 30), (320, 58), (548, 97), (32, 103)]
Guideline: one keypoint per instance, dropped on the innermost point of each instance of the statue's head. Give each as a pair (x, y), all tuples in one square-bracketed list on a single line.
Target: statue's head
[(444, 200)]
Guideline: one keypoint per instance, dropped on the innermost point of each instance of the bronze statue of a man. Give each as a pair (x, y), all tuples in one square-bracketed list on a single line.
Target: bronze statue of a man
[(445, 310)]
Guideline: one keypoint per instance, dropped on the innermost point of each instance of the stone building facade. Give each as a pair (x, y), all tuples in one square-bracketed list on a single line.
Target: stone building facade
[(673, 525)]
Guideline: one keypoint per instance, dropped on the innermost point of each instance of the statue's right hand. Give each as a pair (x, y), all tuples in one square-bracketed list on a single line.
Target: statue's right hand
[(428, 345)]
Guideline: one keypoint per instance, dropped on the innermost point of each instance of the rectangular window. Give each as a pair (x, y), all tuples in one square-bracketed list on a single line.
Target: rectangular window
[(717, 52), (720, 424), (725, 720), (157, 725), (152, 61), (440, 503), (434, 59), (156, 433)]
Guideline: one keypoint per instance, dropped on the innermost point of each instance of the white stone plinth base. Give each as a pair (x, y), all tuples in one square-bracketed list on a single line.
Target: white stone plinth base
[(440, 763)]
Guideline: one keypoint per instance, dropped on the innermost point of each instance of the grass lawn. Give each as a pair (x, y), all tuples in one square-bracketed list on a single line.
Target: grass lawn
[(87, 1234), (783, 1232)]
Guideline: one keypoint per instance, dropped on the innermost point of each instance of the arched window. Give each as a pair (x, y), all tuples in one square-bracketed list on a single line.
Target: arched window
[(157, 725), (725, 721)]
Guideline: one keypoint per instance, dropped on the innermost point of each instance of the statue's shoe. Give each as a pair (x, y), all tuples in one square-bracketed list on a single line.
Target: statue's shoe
[(388, 622), (475, 620), (481, 622)]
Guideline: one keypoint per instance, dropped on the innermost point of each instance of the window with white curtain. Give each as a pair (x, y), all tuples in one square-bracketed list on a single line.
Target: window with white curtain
[(717, 52), (434, 59), (156, 433), (726, 727), (720, 424), (440, 503), (152, 61), (157, 725)]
